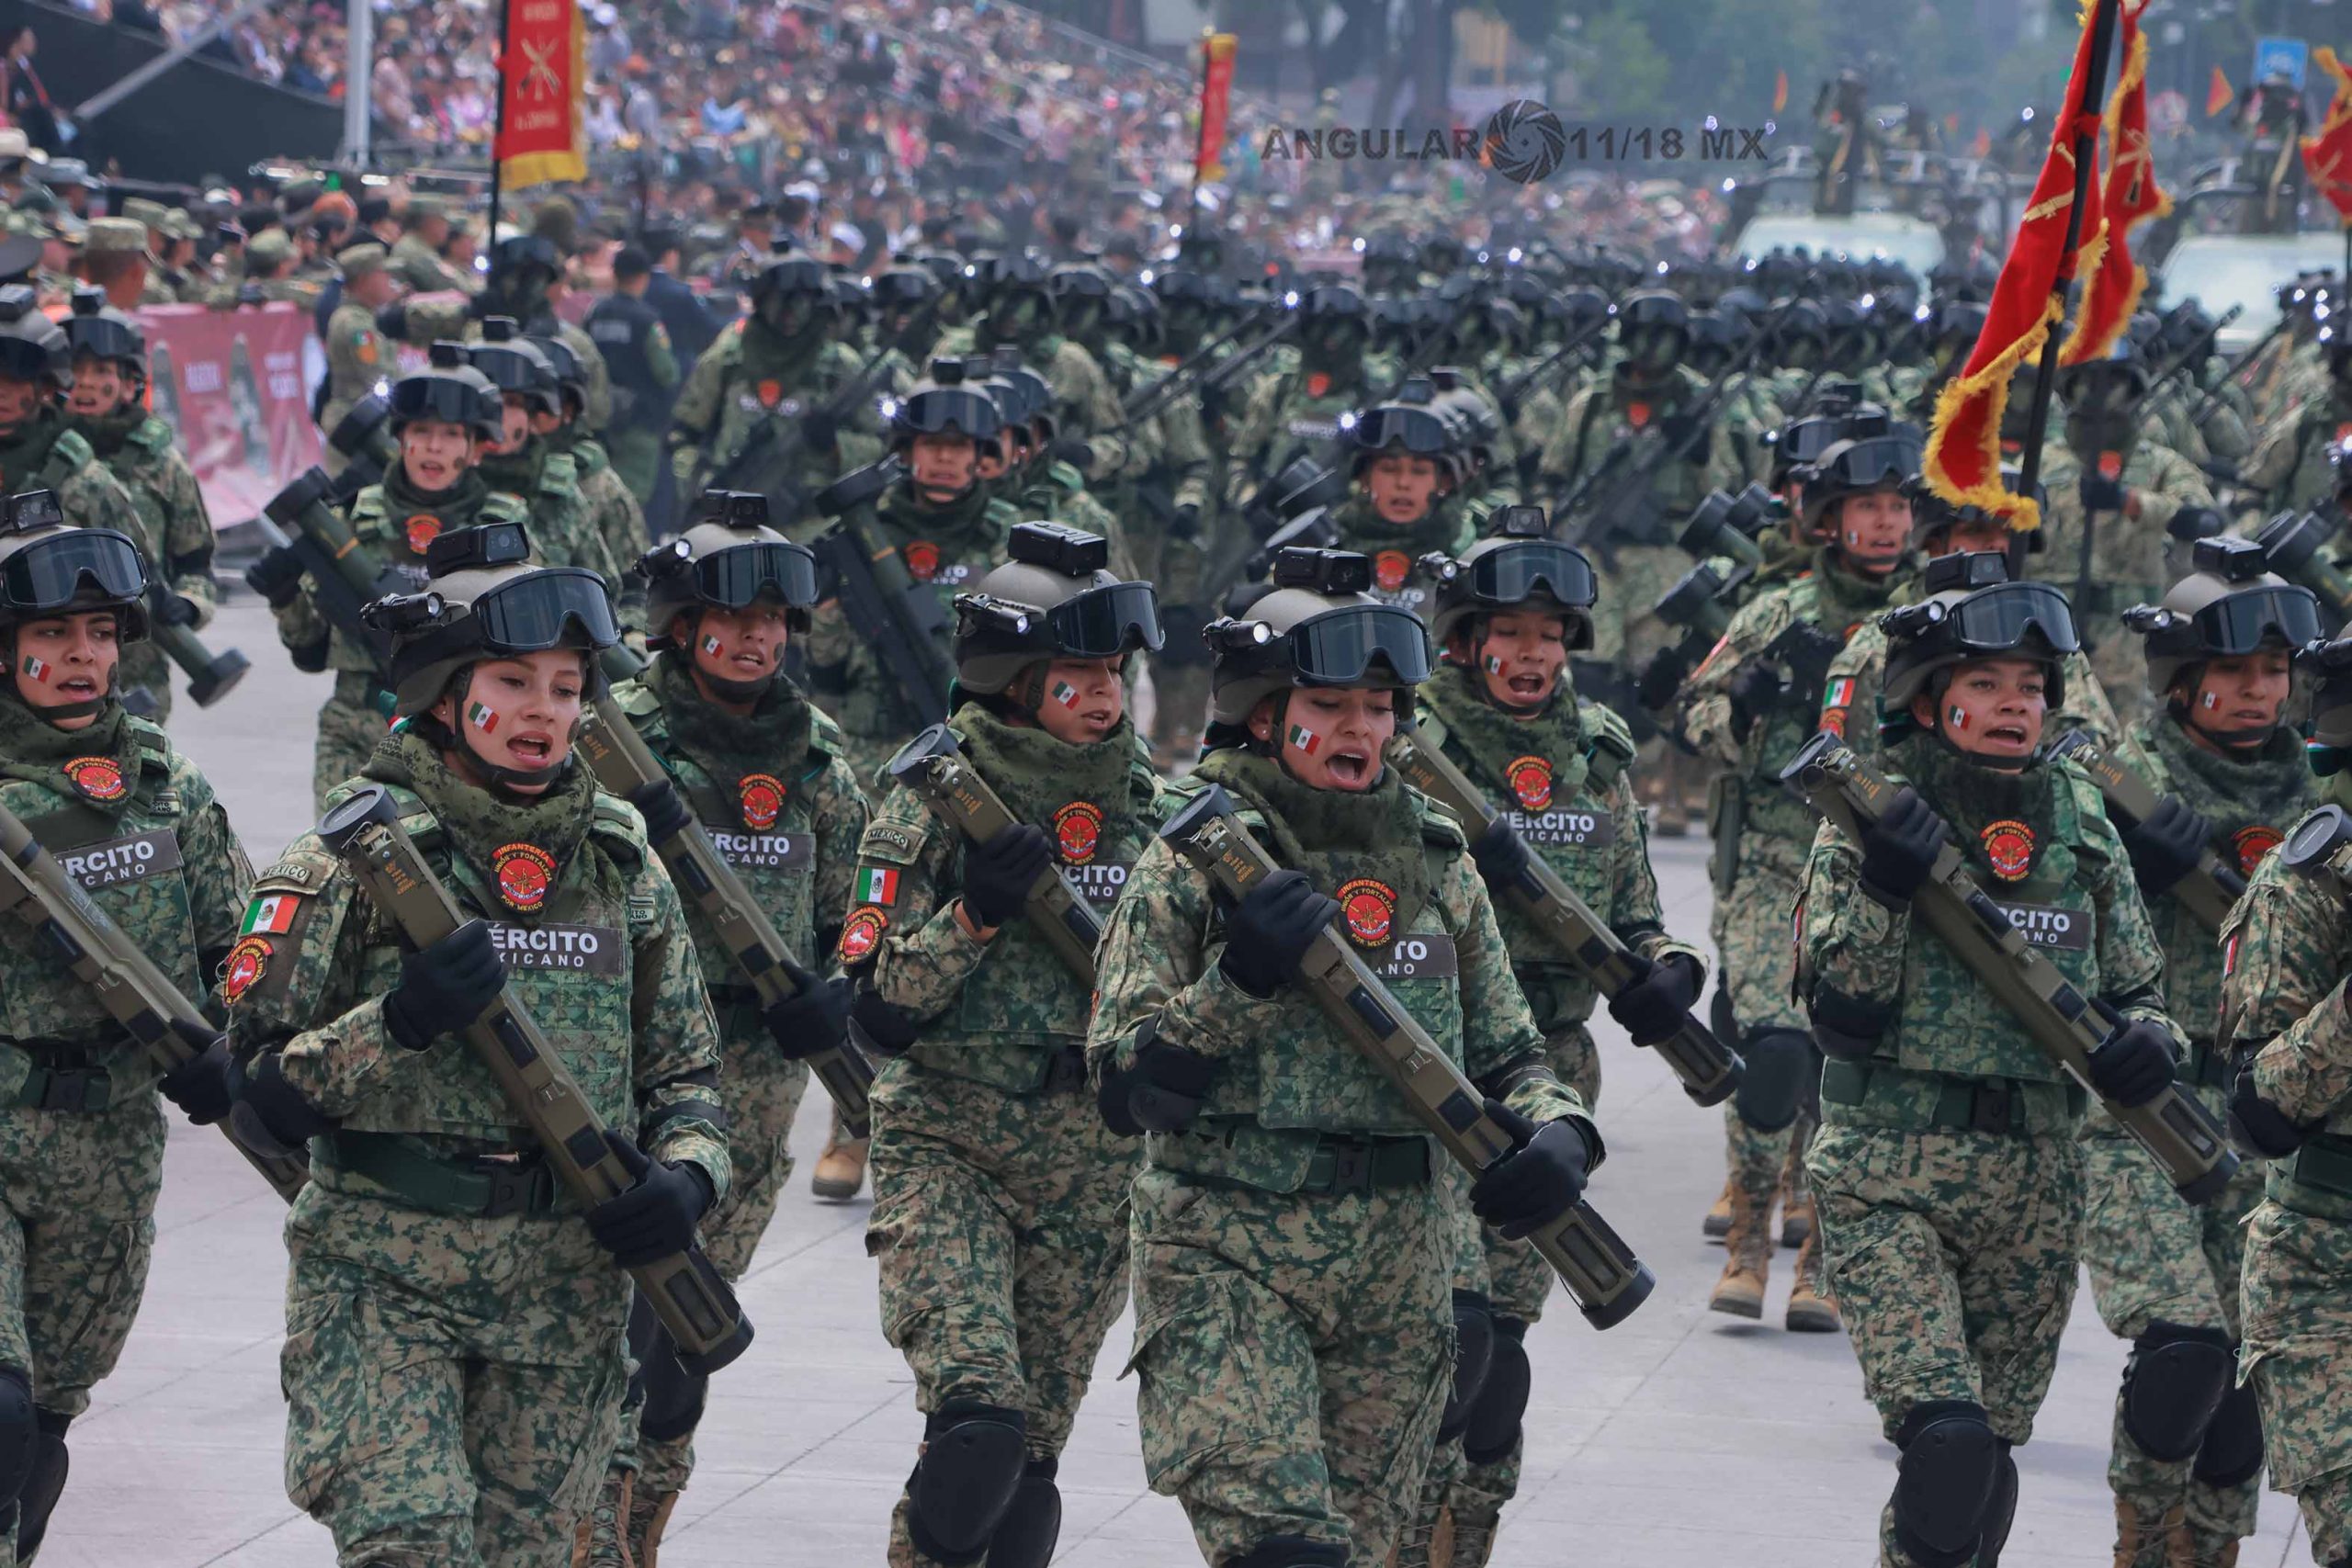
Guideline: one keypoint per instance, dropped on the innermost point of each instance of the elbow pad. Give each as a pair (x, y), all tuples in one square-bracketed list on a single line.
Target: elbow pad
[(876, 1025)]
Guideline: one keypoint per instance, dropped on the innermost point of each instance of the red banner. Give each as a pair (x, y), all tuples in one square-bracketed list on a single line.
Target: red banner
[(1216, 94), (542, 70), (2112, 289), (2327, 157), (231, 384)]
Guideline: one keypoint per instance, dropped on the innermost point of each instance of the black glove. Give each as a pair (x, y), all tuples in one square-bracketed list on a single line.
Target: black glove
[(1900, 848), (1267, 932), (1501, 853), (2263, 1126), (392, 321), (1186, 523), (998, 874), (665, 815), (270, 1113), (1755, 691), (2099, 493), (1661, 677), (171, 609), (818, 432), (1654, 1006), (2167, 846), (444, 988), (817, 1020), (1538, 1181), (202, 1088), (655, 1217), (1166, 1087), (2134, 1066), (276, 576), (1078, 453)]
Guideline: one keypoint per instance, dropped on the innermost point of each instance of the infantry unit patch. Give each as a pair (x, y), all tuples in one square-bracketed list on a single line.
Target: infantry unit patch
[(2009, 849), (862, 933), (247, 962), (1369, 907), (422, 530), (1078, 829), (1531, 782), (525, 873), (762, 800), (922, 560), (1390, 569), (95, 778), (2253, 841)]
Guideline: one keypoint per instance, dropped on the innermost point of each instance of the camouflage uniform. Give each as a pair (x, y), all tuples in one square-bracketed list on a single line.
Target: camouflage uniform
[(614, 515), (749, 377), (563, 527), (82, 1133), (2128, 562), (1295, 410), (2152, 1256), (950, 547), (46, 453), (357, 357), (1397, 577), (453, 1376), (1560, 780), (174, 531), (1292, 1333), (394, 523), (2290, 468), (1954, 1251), (1000, 1196), (423, 270), (793, 848)]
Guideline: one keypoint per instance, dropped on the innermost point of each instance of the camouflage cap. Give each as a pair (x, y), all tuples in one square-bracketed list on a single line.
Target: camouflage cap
[(271, 247), (153, 214), (424, 205), (358, 261), (180, 224), (116, 236)]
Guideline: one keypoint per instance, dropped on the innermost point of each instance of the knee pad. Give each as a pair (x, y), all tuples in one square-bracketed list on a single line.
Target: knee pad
[(673, 1396), (1474, 1350), (971, 1466), (1493, 1429), (2231, 1453), (1025, 1536), (20, 1431), (1291, 1551), (1773, 1086), (44, 1485), (2171, 1386), (1944, 1486), (2001, 1511)]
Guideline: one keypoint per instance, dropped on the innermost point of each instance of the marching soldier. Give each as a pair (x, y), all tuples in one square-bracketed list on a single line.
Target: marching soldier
[(1296, 410), (1406, 461), (765, 773), (613, 514), (107, 408), (1947, 1176), (1752, 704), (358, 356), (40, 449), (2187, 1458), (525, 464), (1292, 1243), (637, 350), (81, 1138), (1000, 1196), (420, 255), (454, 1357)]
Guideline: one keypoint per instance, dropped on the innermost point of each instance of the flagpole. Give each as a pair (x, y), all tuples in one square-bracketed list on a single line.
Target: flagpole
[(498, 134), (2086, 169)]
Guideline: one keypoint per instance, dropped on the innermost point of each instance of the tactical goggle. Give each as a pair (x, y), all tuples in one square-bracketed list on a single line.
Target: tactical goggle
[(1339, 647), (444, 398), (47, 576), (2242, 622), (102, 339), (944, 411), (552, 607), (1877, 462), (1105, 622), (1416, 430), (511, 368), (1517, 572), (738, 575), (1996, 620)]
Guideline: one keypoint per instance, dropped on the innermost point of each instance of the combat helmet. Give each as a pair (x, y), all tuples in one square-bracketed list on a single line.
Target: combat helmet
[(1888, 462), (96, 332), (484, 600), (33, 347), (48, 568), (789, 291), (1969, 610), (1409, 423), (727, 558), (1520, 564), (945, 405), (513, 364), (1318, 626), (451, 390), (1054, 598), (2231, 602), (570, 375)]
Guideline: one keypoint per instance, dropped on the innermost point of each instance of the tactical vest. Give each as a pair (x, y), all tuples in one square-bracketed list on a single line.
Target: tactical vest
[(620, 326), (570, 964), (132, 867), (1274, 1099)]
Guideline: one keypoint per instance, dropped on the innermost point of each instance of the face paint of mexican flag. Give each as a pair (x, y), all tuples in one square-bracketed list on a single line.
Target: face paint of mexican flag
[(711, 644), (2208, 699), (1494, 665), (1066, 694), (482, 718), (40, 670), (1305, 740), (1956, 717)]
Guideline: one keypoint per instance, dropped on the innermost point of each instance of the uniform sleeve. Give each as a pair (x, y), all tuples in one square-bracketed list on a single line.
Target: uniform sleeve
[(842, 815), (661, 359), (331, 1045), (219, 878), (1632, 911), (188, 540), (2285, 948), (1848, 944), (1158, 960), (2177, 484), (1501, 1046), (2131, 957), (1561, 459), (1705, 697), (911, 865), (2273, 462), (694, 415), (675, 1039)]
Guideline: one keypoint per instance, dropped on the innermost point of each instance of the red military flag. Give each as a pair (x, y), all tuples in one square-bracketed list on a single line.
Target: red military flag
[(1963, 457), (2131, 196), (2219, 94), (1216, 94), (2327, 157), (542, 70)]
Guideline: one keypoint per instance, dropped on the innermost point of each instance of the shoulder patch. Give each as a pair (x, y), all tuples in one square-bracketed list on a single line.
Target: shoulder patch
[(893, 842), (559, 474), (824, 734)]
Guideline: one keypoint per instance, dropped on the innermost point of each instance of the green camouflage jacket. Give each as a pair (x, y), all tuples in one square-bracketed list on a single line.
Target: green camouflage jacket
[(1597, 422), (2286, 950), (1290, 411), (721, 405), (563, 526), (1397, 577), (47, 454)]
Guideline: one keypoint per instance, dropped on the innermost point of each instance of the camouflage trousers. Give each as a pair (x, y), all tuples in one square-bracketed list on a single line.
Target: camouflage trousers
[(763, 1092), (2298, 1354), (2154, 1256), (348, 733), (1954, 1259), (452, 1386), (1001, 1227), (1516, 1281), (1750, 926), (1625, 630), (1293, 1352)]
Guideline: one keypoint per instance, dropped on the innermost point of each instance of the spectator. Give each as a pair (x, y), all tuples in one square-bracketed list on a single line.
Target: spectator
[(29, 107)]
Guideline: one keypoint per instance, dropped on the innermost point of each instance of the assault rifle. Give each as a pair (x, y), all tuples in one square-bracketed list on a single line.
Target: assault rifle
[(2212, 886), (900, 619)]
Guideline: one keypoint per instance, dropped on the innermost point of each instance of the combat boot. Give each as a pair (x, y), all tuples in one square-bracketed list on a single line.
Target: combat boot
[(1811, 1309), (649, 1516), (2187, 1547), (1474, 1542), (601, 1542), (1718, 1221), (1747, 1257), (2142, 1540), (841, 1169), (1796, 1215)]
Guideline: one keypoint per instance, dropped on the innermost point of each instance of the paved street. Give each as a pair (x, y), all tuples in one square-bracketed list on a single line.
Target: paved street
[(1678, 1438)]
